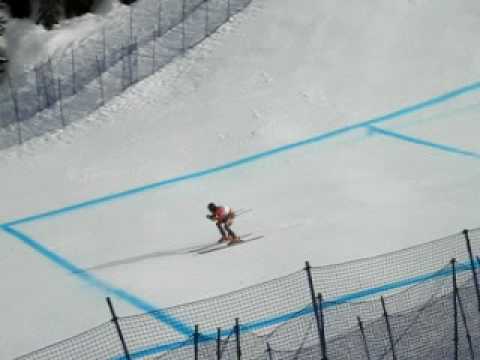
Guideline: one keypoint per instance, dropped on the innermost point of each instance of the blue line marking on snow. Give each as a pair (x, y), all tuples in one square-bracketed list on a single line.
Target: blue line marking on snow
[(156, 313), (418, 141), (261, 324), (268, 153)]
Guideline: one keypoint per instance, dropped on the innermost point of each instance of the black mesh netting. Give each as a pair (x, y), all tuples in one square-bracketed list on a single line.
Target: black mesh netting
[(276, 318)]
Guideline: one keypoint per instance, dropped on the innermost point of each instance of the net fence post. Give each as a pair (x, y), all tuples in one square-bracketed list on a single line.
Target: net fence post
[(323, 342), (43, 78), (308, 270), (159, 25), (104, 50), (119, 330), (206, 19), (124, 71), (100, 81), (195, 343), (455, 310), (237, 338), (472, 264), (13, 94), (130, 64), (229, 10), (60, 102), (74, 87), (219, 343), (464, 319), (38, 88), (51, 81), (154, 63), (269, 351), (135, 72), (183, 26), (131, 23), (389, 328), (364, 338)]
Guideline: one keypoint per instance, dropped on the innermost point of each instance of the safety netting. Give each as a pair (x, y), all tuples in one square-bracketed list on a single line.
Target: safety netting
[(414, 303)]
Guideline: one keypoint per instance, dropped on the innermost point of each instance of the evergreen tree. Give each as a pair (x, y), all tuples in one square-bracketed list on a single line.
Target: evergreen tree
[(49, 12), (77, 7), (19, 8)]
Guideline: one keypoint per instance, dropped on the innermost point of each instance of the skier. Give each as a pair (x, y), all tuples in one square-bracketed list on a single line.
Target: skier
[(223, 217)]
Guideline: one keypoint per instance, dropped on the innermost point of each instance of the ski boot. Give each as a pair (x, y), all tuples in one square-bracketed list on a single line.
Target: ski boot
[(223, 239), (233, 239)]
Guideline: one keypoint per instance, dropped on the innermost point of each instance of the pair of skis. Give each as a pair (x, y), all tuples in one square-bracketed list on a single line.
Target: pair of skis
[(216, 246), (225, 245)]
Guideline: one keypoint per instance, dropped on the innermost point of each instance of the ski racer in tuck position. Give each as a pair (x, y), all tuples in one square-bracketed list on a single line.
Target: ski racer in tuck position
[(223, 217)]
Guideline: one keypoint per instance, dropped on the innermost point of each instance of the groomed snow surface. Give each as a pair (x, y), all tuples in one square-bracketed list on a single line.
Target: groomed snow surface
[(279, 73)]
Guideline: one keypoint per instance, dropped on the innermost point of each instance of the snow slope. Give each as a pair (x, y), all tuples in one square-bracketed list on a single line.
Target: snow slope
[(281, 72)]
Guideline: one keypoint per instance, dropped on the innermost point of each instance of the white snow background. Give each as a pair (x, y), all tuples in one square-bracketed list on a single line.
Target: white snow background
[(281, 72)]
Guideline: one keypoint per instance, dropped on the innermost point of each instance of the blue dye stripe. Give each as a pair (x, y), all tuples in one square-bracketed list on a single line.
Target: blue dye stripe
[(418, 141), (318, 138), (261, 324), (158, 314)]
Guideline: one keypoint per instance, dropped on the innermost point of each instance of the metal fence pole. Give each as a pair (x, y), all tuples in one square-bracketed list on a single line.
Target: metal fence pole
[(195, 342), (38, 88), (104, 53), (206, 19), (131, 24), (183, 26), (219, 343), (159, 26), (124, 71), (60, 102), (455, 310), (237, 339), (464, 319), (74, 87), (364, 338), (154, 64), (130, 65), (13, 94), (229, 10), (308, 270), (389, 329), (100, 81), (51, 82), (44, 85), (119, 330), (269, 351), (323, 342), (135, 72), (472, 264)]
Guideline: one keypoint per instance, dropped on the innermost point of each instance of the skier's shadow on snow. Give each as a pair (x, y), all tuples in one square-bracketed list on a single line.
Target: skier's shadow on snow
[(138, 258), (156, 254)]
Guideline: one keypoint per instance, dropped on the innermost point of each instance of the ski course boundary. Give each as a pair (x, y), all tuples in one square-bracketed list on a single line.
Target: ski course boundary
[(251, 158), (162, 316)]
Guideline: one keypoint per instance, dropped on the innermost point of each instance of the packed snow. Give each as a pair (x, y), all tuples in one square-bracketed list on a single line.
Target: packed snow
[(281, 72)]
